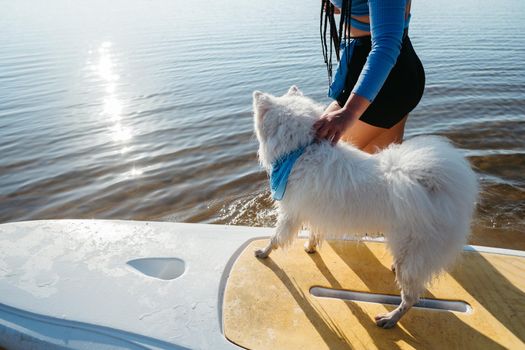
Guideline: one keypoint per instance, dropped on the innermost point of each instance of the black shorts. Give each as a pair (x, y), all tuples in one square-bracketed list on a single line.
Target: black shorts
[(401, 91)]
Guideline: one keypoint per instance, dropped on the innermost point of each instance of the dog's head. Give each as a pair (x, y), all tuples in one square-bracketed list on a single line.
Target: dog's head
[(282, 124)]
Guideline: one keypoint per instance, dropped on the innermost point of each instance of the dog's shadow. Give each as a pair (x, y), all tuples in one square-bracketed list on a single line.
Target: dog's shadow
[(332, 336), (464, 331), (394, 338)]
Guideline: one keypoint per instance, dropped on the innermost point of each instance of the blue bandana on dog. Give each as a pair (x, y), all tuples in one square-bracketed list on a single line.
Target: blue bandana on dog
[(281, 169)]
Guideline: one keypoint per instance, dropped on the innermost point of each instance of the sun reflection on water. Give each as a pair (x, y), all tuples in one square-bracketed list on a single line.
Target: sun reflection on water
[(113, 106)]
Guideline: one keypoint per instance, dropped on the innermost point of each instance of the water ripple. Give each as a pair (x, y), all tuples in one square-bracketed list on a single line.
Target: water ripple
[(106, 115)]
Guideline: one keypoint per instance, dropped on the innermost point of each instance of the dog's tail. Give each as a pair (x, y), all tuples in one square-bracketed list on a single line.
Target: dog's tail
[(429, 174)]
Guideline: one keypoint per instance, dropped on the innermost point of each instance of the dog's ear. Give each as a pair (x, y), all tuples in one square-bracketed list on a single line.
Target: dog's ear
[(261, 100), (294, 91)]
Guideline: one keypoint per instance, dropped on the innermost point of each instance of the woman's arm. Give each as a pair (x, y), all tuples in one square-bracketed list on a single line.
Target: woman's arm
[(387, 22)]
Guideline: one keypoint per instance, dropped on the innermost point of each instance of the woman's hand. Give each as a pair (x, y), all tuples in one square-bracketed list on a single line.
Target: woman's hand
[(332, 125), (336, 120)]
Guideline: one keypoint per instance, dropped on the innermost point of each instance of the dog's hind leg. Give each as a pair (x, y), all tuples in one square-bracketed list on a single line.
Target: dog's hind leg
[(390, 319), (285, 231), (312, 243), (411, 288)]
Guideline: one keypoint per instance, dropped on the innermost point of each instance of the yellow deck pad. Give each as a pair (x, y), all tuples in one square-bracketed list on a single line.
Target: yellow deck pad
[(268, 304)]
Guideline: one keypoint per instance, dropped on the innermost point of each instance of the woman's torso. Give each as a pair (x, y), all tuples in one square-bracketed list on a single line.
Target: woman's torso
[(361, 14)]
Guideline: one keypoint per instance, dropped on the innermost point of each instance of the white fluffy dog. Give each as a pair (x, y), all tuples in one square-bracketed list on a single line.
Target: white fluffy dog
[(420, 194)]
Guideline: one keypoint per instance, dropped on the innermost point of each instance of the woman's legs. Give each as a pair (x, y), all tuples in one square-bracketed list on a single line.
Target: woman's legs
[(371, 138), (392, 135), (360, 134)]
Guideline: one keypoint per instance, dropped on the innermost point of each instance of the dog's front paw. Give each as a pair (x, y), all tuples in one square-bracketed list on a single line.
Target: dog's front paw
[(388, 320), (310, 249), (262, 253)]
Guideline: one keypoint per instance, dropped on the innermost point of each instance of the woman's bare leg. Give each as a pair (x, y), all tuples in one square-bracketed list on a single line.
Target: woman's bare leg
[(392, 135), (371, 138), (360, 134)]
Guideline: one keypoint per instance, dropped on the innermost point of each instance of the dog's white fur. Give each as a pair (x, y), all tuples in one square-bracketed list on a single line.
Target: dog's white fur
[(420, 194)]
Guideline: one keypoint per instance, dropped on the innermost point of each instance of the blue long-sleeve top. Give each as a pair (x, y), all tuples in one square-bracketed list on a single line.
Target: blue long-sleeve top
[(387, 23)]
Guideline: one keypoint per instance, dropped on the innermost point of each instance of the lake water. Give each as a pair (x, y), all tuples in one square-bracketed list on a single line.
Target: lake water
[(138, 109)]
